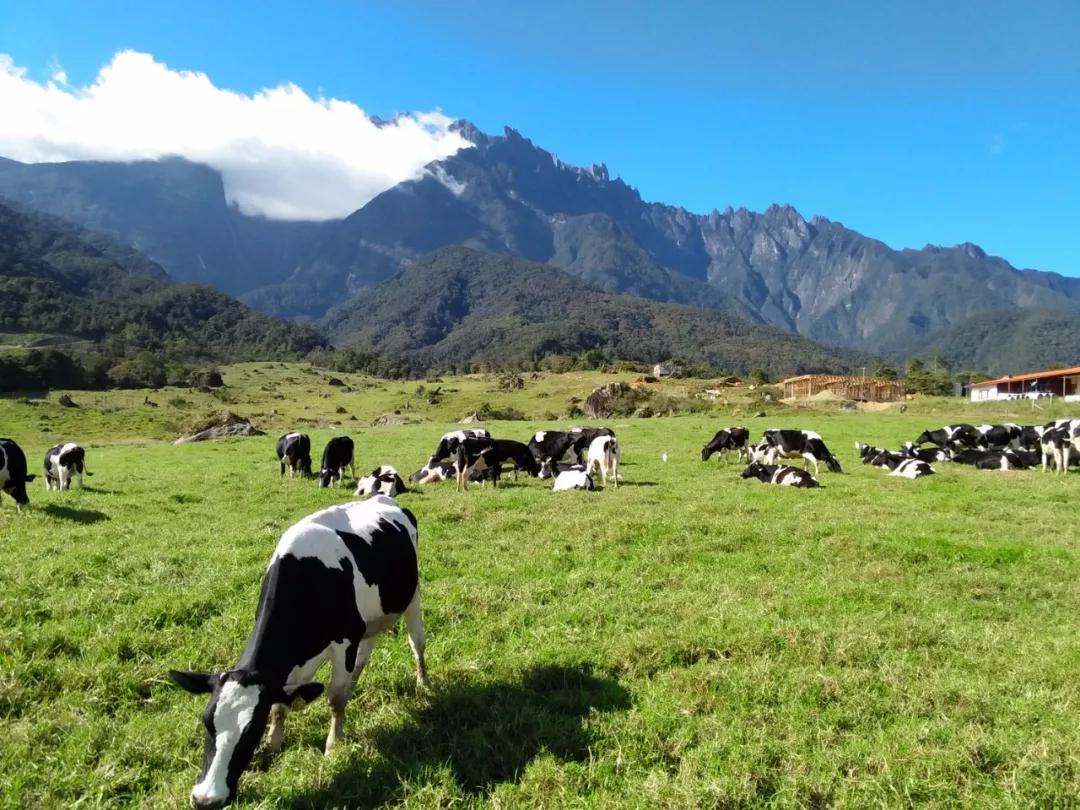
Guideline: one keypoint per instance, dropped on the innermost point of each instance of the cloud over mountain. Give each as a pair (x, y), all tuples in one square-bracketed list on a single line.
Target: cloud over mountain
[(282, 153)]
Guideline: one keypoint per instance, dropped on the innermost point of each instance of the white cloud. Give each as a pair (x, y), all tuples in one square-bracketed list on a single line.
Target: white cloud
[(282, 153)]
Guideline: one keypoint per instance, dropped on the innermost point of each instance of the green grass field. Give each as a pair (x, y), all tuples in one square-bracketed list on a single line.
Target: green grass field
[(687, 640)]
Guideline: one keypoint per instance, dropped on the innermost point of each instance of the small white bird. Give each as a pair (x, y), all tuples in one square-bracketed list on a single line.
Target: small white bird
[(663, 457)]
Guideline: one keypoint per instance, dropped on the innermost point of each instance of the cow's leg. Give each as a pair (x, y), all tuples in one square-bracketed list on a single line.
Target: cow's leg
[(414, 623), (812, 459), (615, 472), (65, 478), (278, 713), (342, 684), (79, 475)]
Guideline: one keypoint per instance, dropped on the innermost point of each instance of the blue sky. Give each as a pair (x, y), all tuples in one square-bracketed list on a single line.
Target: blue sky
[(918, 123)]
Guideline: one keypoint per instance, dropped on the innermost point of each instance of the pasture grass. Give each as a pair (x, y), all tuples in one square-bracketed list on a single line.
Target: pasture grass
[(686, 640)]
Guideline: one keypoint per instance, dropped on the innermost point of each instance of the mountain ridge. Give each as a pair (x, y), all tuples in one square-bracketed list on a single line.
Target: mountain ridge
[(504, 194)]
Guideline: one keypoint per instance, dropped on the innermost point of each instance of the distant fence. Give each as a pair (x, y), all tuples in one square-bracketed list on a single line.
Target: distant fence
[(865, 389)]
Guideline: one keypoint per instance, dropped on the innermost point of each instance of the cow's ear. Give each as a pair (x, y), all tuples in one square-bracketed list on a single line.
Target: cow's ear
[(29, 477), (198, 683), (307, 692)]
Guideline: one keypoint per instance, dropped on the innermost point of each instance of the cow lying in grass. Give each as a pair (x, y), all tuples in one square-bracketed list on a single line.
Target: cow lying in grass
[(383, 480), (779, 474), (573, 479)]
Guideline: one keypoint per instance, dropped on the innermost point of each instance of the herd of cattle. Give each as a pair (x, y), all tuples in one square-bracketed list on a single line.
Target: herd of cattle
[(344, 575), (985, 447), (574, 456)]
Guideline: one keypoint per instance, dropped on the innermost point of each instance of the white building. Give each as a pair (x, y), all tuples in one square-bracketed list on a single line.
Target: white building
[(1058, 382)]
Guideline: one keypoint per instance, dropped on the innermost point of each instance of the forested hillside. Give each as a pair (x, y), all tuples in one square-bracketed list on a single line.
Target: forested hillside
[(457, 306)]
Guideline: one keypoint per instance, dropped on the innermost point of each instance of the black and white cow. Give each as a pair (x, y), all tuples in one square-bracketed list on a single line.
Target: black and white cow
[(573, 479), (448, 444), (551, 469), (604, 456), (950, 436), (804, 444), (383, 480), (927, 454), (337, 580), (552, 445), (62, 463), (294, 452), (759, 453), (13, 476), (902, 466), (1053, 446), (730, 438), (877, 456), (434, 473), (336, 456), (997, 437), (477, 455), (779, 474), (992, 459), (1030, 437), (584, 437), (1072, 427)]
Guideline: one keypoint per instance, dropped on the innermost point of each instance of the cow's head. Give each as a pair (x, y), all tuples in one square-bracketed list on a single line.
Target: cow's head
[(547, 468), (17, 490), (924, 438), (753, 470), (326, 477), (234, 720)]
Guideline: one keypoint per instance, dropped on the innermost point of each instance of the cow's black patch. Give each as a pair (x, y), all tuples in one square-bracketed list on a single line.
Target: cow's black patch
[(303, 607), (388, 562)]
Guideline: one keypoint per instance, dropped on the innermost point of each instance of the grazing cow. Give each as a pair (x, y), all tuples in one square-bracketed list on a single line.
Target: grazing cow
[(573, 479), (997, 437), (448, 444), (13, 477), (604, 456), (337, 455), (929, 454), (804, 444), (478, 455), (294, 452), (62, 462), (383, 480), (950, 436), (779, 474), (337, 580), (731, 438)]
